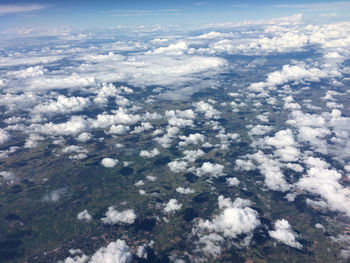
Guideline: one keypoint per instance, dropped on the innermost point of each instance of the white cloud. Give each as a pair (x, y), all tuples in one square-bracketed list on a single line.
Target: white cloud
[(213, 170), (172, 206), (74, 126), (120, 116), (236, 219), (324, 181), (297, 72), (109, 162), (259, 130), (283, 233), (207, 109), (194, 138), (28, 72), (149, 154), (115, 252), (233, 181), (84, 137), (192, 155), (183, 190), (84, 216), (269, 167), (118, 129), (4, 136), (62, 105), (145, 126), (178, 166), (113, 216)]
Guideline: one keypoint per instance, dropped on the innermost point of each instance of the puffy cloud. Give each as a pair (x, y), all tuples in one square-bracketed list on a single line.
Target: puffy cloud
[(113, 216), (84, 216), (183, 190), (79, 152), (4, 136), (324, 181), (172, 206), (207, 109), (74, 126), (233, 181), (115, 252), (109, 162), (120, 116), (213, 170), (118, 129), (192, 155), (297, 72), (28, 72), (84, 137), (194, 138), (166, 140), (259, 130), (149, 154), (173, 49), (178, 166), (283, 233), (15, 102), (62, 105), (269, 167), (235, 220), (180, 118), (143, 127)]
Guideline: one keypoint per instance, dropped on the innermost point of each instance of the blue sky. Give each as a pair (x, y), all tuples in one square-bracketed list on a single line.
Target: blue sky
[(90, 13)]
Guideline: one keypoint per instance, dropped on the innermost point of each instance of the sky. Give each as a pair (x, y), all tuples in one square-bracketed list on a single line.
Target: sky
[(91, 13)]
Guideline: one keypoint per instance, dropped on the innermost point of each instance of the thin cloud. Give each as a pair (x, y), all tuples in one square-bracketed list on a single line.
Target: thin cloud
[(11, 9), (142, 12), (327, 5)]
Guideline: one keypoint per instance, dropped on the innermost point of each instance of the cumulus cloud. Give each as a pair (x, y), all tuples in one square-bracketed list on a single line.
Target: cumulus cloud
[(109, 162), (235, 220), (207, 109), (149, 154), (84, 137), (118, 129), (84, 216), (172, 206), (62, 105), (194, 138), (192, 155), (178, 166), (213, 170), (268, 166), (4, 136), (283, 233), (324, 181), (113, 216), (74, 126), (144, 126), (233, 181), (117, 252), (183, 190)]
